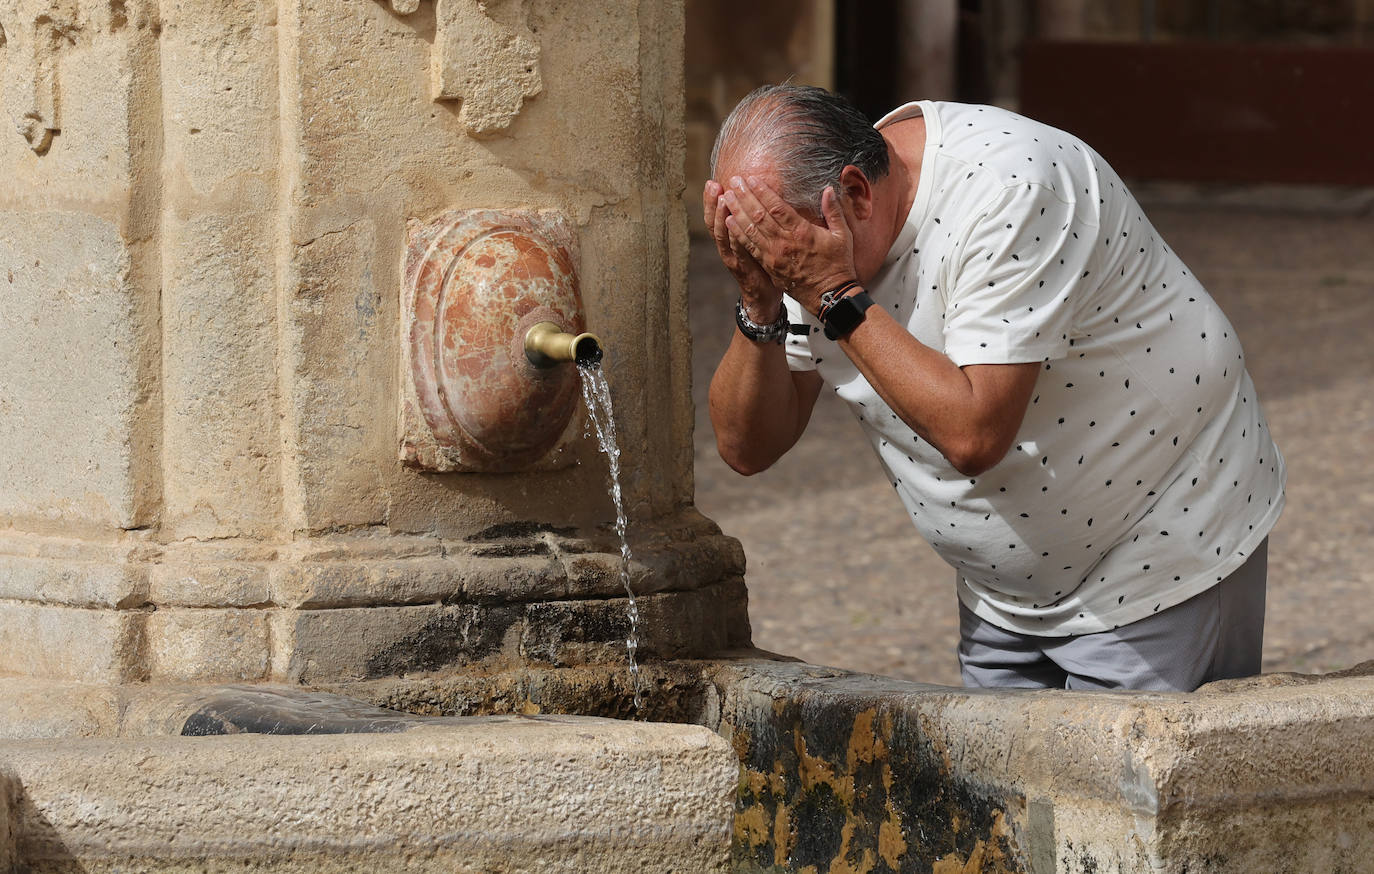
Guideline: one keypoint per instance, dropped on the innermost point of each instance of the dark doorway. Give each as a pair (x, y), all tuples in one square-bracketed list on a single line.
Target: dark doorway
[(866, 37), (868, 54)]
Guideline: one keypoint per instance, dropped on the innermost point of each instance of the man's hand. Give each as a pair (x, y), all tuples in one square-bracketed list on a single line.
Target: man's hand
[(759, 407), (762, 299), (802, 258)]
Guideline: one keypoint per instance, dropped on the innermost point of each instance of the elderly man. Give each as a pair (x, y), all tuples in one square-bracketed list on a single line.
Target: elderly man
[(1061, 407)]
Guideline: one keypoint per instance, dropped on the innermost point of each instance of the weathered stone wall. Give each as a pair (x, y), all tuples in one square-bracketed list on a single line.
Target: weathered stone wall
[(79, 397), (854, 773), (203, 224)]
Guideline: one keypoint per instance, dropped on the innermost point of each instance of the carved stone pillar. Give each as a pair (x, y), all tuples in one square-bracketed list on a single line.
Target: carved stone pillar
[(203, 246)]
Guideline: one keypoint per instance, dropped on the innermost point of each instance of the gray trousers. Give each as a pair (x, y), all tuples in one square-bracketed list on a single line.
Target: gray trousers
[(1215, 635)]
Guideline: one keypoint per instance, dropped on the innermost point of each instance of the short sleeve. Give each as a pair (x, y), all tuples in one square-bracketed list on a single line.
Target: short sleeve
[(798, 345), (1022, 269)]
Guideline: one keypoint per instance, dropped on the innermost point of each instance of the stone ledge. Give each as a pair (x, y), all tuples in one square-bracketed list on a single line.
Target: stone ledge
[(340, 572), (219, 645), (222, 584), (1254, 775), (319, 646), (400, 582), (674, 691), (508, 794), (74, 572)]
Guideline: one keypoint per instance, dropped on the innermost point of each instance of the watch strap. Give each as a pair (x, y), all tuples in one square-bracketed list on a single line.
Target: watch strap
[(770, 333), (834, 296)]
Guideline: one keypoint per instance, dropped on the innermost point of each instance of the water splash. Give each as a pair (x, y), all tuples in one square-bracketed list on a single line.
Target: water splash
[(596, 392)]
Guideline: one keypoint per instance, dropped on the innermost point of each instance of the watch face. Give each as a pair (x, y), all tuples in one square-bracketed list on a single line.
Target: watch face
[(842, 319), (846, 315)]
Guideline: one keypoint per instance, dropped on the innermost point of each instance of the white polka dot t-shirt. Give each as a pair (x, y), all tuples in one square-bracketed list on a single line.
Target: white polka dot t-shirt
[(1143, 472)]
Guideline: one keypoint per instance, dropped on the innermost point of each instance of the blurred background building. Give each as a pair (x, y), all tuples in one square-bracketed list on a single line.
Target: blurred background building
[(1194, 90)]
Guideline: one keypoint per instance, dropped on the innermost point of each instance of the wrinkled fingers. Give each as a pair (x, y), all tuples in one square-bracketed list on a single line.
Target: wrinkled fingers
[(745, 206), (710, 201), (772, 204), (720, 229), (744, 235)]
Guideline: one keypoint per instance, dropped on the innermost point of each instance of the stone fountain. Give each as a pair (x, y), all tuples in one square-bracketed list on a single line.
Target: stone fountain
[(304, 564)]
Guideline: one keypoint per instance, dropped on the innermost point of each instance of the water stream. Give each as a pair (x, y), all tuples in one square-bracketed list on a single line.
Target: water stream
[(596, 392)]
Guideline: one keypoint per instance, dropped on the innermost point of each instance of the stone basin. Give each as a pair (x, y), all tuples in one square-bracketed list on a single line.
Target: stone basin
[(280, 778), (754, 763)]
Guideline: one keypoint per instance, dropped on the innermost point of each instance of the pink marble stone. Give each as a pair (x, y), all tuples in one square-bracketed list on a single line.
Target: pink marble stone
[(475, 281)]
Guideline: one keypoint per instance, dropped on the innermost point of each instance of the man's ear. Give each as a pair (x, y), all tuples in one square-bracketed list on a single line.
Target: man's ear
[(856, 191)]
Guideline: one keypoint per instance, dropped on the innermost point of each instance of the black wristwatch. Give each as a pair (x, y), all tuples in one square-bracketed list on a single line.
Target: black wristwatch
[(845, 315)]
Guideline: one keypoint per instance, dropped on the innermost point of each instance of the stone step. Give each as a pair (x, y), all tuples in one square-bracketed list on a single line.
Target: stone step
[(490, 794)]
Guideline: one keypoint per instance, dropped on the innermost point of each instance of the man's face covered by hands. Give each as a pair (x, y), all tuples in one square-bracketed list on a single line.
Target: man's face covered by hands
[(798, 252), (766, 241)]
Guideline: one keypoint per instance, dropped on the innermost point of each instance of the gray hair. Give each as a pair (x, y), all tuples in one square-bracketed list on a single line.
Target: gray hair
[(810, 133)]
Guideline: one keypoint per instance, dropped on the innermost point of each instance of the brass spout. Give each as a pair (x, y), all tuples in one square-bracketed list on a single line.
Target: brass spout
[(546, 344)]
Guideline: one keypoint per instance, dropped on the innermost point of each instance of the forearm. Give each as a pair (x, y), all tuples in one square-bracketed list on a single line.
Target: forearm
[(967, 420), (755, 406), (971, 414)]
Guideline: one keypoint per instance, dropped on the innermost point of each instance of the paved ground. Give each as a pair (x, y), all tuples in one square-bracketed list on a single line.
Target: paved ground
[(1299, 286)]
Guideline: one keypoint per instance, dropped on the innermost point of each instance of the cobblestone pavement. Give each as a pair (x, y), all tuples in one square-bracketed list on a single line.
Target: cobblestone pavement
[(838, 577)]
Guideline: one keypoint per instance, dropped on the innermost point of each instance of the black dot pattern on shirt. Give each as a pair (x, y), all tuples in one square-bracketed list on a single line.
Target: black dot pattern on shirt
[(1045, 266)]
